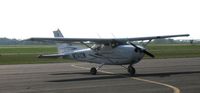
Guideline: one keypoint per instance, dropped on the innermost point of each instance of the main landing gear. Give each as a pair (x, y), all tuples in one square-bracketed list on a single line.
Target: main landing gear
[(131, 70), (93, 70)]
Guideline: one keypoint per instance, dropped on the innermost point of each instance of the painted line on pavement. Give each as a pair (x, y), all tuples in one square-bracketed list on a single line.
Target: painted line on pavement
[(175, 89)]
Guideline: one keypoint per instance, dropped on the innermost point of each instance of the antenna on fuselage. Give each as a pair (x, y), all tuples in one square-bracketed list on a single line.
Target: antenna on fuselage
[(98, 35), (113, 35)]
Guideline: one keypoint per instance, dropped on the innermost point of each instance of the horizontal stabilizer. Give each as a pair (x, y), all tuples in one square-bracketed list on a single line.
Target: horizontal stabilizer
[(52, 56)]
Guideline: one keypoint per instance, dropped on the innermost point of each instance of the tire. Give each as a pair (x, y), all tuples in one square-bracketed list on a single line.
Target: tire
[(93, 71)]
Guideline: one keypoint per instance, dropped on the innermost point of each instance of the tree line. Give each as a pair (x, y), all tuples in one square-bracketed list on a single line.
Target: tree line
[(7, 41)]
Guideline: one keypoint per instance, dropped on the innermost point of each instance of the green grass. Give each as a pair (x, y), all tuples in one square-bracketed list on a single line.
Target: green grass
[(27, 59), (175, 51), (28, 54), (27, 49)]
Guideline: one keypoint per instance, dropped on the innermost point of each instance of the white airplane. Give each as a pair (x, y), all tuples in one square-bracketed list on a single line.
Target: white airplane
[(103, 51)]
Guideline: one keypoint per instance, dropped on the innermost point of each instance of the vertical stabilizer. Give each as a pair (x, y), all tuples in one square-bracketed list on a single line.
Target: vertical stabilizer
[(63, 47), (57, 33)]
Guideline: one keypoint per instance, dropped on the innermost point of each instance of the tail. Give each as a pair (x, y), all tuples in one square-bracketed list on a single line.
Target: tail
[(63, 48), (58, 34)]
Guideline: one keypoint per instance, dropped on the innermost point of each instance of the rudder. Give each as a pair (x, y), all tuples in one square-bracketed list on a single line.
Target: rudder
[(57, 33)]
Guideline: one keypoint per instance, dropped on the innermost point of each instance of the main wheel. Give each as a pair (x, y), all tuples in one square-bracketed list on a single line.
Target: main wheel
[(131, 70), (93, 71)]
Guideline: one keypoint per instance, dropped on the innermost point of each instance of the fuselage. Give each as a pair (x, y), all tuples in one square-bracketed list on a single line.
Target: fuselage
[(119, 55)]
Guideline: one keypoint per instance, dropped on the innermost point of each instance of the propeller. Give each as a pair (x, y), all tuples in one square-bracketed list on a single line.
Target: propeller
[(148, 53), (142, 50)]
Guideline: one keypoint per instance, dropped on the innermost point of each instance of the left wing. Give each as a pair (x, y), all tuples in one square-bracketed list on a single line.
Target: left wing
[(104, 40)]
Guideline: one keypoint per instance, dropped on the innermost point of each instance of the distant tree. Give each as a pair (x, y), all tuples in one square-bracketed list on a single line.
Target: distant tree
[(191, 41), (6, 41), (163, 41)]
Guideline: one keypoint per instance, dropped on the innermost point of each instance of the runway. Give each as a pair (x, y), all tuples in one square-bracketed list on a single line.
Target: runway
[(181, 75)]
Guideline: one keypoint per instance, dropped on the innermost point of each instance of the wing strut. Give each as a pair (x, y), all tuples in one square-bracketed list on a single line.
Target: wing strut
[(147, 43), (87, 46)]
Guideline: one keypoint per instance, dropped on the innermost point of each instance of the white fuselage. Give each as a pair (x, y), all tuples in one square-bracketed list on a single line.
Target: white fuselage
[(120, 55)]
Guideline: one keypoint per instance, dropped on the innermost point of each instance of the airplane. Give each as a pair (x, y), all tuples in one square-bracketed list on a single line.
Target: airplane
[(102, 51)]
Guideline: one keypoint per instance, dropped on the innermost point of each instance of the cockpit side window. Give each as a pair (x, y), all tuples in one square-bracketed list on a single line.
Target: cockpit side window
[(97, 47), (106, 44)]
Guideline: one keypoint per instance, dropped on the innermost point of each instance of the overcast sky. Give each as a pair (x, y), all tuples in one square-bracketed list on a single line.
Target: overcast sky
[(103, 18)]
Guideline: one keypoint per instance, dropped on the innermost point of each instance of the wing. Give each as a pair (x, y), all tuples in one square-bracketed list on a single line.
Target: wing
[(157, 37), (69, 40), (104, 40)]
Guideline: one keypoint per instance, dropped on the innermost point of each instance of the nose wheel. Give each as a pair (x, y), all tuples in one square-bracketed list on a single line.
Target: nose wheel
[(131, 70), (93, 71)]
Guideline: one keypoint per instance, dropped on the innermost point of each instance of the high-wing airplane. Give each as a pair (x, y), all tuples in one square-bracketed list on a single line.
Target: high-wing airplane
[(103, 51)]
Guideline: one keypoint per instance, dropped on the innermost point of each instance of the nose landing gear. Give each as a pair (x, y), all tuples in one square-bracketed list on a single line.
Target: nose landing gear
[(131, 70)]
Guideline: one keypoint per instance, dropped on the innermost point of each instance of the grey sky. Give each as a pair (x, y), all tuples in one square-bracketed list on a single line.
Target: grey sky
[(87, 18)]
